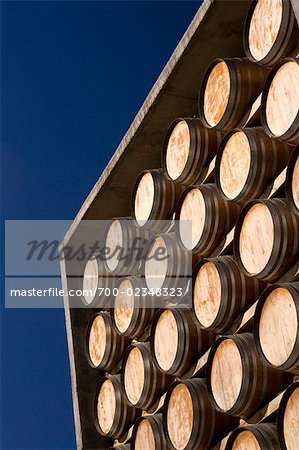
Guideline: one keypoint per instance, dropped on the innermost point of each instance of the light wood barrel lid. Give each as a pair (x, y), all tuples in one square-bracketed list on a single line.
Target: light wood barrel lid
[(235, 164), (144, 198), (106, 406), (145, 439), (282, 103), (264, 27), (226, 374), (114, 240), (97, 340), (192, 218), (166, 340), (256, 238), (291, 422), (278, 326), (90, 280), (178, 148), (207, 294), (295, 183), (180, 417), (217, 92), (124, 306), (246, 441), (156, 264), (134, 375)]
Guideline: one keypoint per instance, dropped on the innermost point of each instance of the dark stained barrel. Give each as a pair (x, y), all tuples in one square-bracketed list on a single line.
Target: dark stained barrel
[(271, 31), (221, 292), (266, 239), (247, 163), (113, 415), (288, 418), (121, 447), (104, 346), (238, 380), (292, 180), (263, 436), (188, 149), (228, 89), (148, 434), (190, 420), (177, 340), (143, 383), (276, 326), (203, 218)]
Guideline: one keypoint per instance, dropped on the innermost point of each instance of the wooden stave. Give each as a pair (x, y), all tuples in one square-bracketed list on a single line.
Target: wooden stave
[(292, 134), (156, 423), (257, 184), (126, 415), (292, 364), (289, 174), (105, 281), (221, 215), (239, 103), (156, 381), (281, 410), (192, 341), (279, 263), (265, 433), (121, 447), (273, 381), (116, 344), (246, 288), (203, 146), (286, 40)]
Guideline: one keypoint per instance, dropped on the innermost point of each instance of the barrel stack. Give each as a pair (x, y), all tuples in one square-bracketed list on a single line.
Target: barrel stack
[(217, 370)]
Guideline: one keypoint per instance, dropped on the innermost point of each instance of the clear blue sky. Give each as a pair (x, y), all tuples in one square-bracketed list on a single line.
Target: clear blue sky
[(74, 74)]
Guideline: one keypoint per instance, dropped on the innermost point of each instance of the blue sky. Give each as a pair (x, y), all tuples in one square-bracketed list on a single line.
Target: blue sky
[(73, 76)]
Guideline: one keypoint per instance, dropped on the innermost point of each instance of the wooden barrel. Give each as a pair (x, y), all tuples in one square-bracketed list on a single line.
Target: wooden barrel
[(238, 380), (228, 89), (113, 415), (221, 292), (188, 149), (96, 284), (167, 266), (266, 239), (177, 340), (154, 199), (148, 434), (143, 383), (133, 308), (288, 418), (247, 163), (292, 180), (121, 447), (125, 243), (104, 347), (203, 218), (271, 31), (280, 101), (263, 436), (276, 326), (189, 418)]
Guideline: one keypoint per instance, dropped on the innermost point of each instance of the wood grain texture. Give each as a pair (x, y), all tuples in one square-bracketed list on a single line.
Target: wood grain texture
[(246, 441), (124, 306), (217, 93), (291, 422), (156, 266), (295, 184), (97, 340), (106, 406), (145, 439), (144, 198), (207, 294), (166, 340), (178, 150), (114, 239), (90, 280), (180, 417), (134, 375), (192, 218)]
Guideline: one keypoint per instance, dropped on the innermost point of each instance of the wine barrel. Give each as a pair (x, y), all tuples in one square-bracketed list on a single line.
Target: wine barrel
[(190, 421), (166, 266), (292, 180), (221, 292), (288, 418), (247, 163), (228, 89), (143, 383), (104, 347), (203, 218), (125, 243), (263, 436), (276, 326), (148, 434), (113, 415), (238, 380), (270, 31), (177, 340), (266, 239), (154, 199), (188, 149), (96, 284), (280, 101), (133, 308), (121, 447)]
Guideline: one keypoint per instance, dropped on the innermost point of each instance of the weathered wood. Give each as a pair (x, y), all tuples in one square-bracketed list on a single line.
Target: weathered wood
[(255, 437), (292, 180), (288, 418), (148, 434)]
